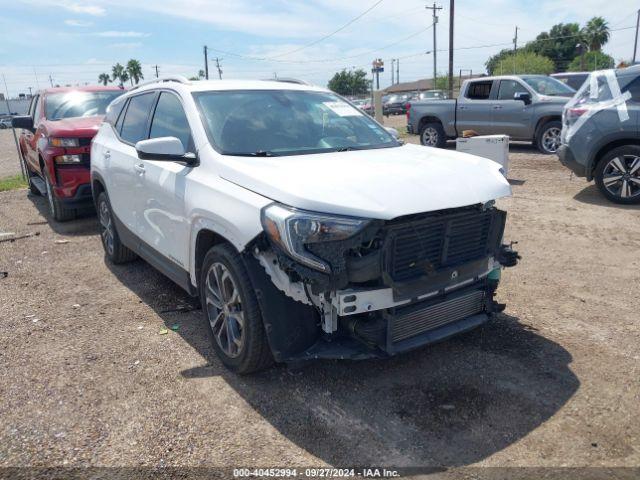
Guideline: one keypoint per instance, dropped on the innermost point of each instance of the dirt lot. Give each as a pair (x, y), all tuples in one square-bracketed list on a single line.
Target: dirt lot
[(87, 379)]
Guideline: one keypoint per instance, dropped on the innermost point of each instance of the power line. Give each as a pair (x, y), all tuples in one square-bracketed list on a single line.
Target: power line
[(321, 39)]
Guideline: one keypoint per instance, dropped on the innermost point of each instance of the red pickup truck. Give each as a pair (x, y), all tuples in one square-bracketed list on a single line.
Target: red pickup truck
[(55, 143)]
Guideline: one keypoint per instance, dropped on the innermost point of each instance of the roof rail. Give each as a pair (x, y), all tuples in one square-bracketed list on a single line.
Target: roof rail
[(172, 78), (287, 80)]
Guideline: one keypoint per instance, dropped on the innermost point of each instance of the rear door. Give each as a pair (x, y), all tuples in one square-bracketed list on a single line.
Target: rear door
[(511, 117), (29, 139), (161, 222), (474, 108), (125, 180)]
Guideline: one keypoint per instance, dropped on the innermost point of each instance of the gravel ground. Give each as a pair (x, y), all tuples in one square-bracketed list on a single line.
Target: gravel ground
[(9, 163), (88, 380)]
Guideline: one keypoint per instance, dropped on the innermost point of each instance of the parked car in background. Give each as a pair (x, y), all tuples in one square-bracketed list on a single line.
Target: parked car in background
[(54, 142), (364, 105), (306, 229), (601, 134), (429, 95), (525, 107), (5, 123), (573, 79), (395, 104)]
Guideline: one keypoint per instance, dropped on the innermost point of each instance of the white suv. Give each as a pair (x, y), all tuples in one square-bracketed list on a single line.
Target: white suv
[(306, 228)]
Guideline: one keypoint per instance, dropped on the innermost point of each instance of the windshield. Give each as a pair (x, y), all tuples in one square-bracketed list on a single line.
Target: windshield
[(78, 104), (549, 86), (286, 122)]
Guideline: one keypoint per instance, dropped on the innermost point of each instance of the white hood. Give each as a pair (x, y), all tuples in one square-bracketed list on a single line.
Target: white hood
[(381, 183)]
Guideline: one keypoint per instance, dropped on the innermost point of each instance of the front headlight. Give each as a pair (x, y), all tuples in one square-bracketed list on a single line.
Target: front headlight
[(292, 229), (64, 142)]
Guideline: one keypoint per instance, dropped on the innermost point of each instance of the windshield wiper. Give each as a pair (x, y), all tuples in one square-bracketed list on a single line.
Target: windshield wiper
[(259, 153)]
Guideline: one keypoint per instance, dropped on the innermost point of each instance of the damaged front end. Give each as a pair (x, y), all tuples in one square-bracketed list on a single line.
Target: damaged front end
[(340, 287)]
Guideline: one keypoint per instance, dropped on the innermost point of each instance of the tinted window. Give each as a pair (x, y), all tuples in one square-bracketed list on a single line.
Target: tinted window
[(634, 89), (113, 111), (121, 118), (134, 126), (508, 88), (287, 122), (37, 110), (78, 103), (169, 120), (479, 90)]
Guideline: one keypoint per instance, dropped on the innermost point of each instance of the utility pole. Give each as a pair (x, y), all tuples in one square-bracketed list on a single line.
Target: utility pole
[(397, 70), (451, 13), (635, 44), (515, 41), (435, 22), (50, 80), (206, 64), (30, 94), (218, 67), (392, 71), (157, 74)]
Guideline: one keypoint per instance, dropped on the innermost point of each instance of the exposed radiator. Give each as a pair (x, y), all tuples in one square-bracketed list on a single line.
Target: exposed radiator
[(416, 319)]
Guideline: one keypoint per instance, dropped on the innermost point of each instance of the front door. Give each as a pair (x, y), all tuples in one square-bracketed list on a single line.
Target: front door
[(511, 117), (161, 220)]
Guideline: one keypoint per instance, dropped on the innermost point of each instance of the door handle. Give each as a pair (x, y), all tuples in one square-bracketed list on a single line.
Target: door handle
[(462, 108), (497, 107), (107, 155), (139, 167)]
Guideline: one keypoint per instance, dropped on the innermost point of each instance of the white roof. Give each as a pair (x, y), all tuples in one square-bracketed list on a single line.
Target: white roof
[(208, 85)]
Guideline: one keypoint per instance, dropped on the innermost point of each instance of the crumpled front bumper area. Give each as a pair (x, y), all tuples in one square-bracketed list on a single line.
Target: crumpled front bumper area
[(407, 283)]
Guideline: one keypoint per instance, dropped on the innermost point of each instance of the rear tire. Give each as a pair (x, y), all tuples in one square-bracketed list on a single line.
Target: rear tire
[(58, 211), (432, 135), (548, 137), (232, 313), (114, 249), (617, 175)]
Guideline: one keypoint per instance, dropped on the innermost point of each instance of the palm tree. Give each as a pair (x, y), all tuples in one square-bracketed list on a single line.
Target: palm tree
[(596, 33), (134, 69), (118, 73), (103, 78)]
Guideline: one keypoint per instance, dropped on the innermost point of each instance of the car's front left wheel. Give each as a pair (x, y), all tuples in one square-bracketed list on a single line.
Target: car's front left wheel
[(232, 313)]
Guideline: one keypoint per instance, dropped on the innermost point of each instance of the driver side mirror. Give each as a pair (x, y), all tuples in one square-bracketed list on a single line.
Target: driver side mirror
[(523, 96), (169, 149), (22, 121), (393, 132)]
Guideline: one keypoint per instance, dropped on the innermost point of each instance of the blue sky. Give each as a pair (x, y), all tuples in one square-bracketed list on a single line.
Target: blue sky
[(75, 40)]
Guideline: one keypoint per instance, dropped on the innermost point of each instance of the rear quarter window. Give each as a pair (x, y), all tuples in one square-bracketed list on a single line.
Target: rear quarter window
[(136, 118), (113, 111)]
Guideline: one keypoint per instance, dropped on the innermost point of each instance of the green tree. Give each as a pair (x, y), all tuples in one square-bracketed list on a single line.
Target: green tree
[(558, 44), (493, 61), (199, 77), (119, 74), (596, 33), (349, 82), (594, 60), (103, 78), (134, 70), (524, 62)]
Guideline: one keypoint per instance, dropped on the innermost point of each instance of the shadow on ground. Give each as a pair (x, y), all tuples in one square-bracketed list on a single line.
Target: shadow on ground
[(592, 196), (450, 404), (86, 222)]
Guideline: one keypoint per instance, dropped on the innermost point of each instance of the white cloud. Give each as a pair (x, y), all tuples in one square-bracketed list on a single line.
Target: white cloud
[(119, 34), (77, 23), (125, 45), (86, 9)]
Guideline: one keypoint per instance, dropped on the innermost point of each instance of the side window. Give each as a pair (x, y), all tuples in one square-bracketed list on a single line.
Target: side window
[(113, 111), (37, 110), (169, 120), (634, 89), (118, 125), (479, 90), (508, 88), (134, 125), (32, 105)]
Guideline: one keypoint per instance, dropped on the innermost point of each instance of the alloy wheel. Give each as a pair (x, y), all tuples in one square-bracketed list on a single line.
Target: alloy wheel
[(551, 139), (106, 226), (430, 137), (224, 310), (621, 176)]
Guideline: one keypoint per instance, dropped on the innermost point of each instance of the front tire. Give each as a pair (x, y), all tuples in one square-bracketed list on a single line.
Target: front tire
[(548, 137), (432, 135), (58, 211), (113, 247), (232, 313), (617, 175)]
